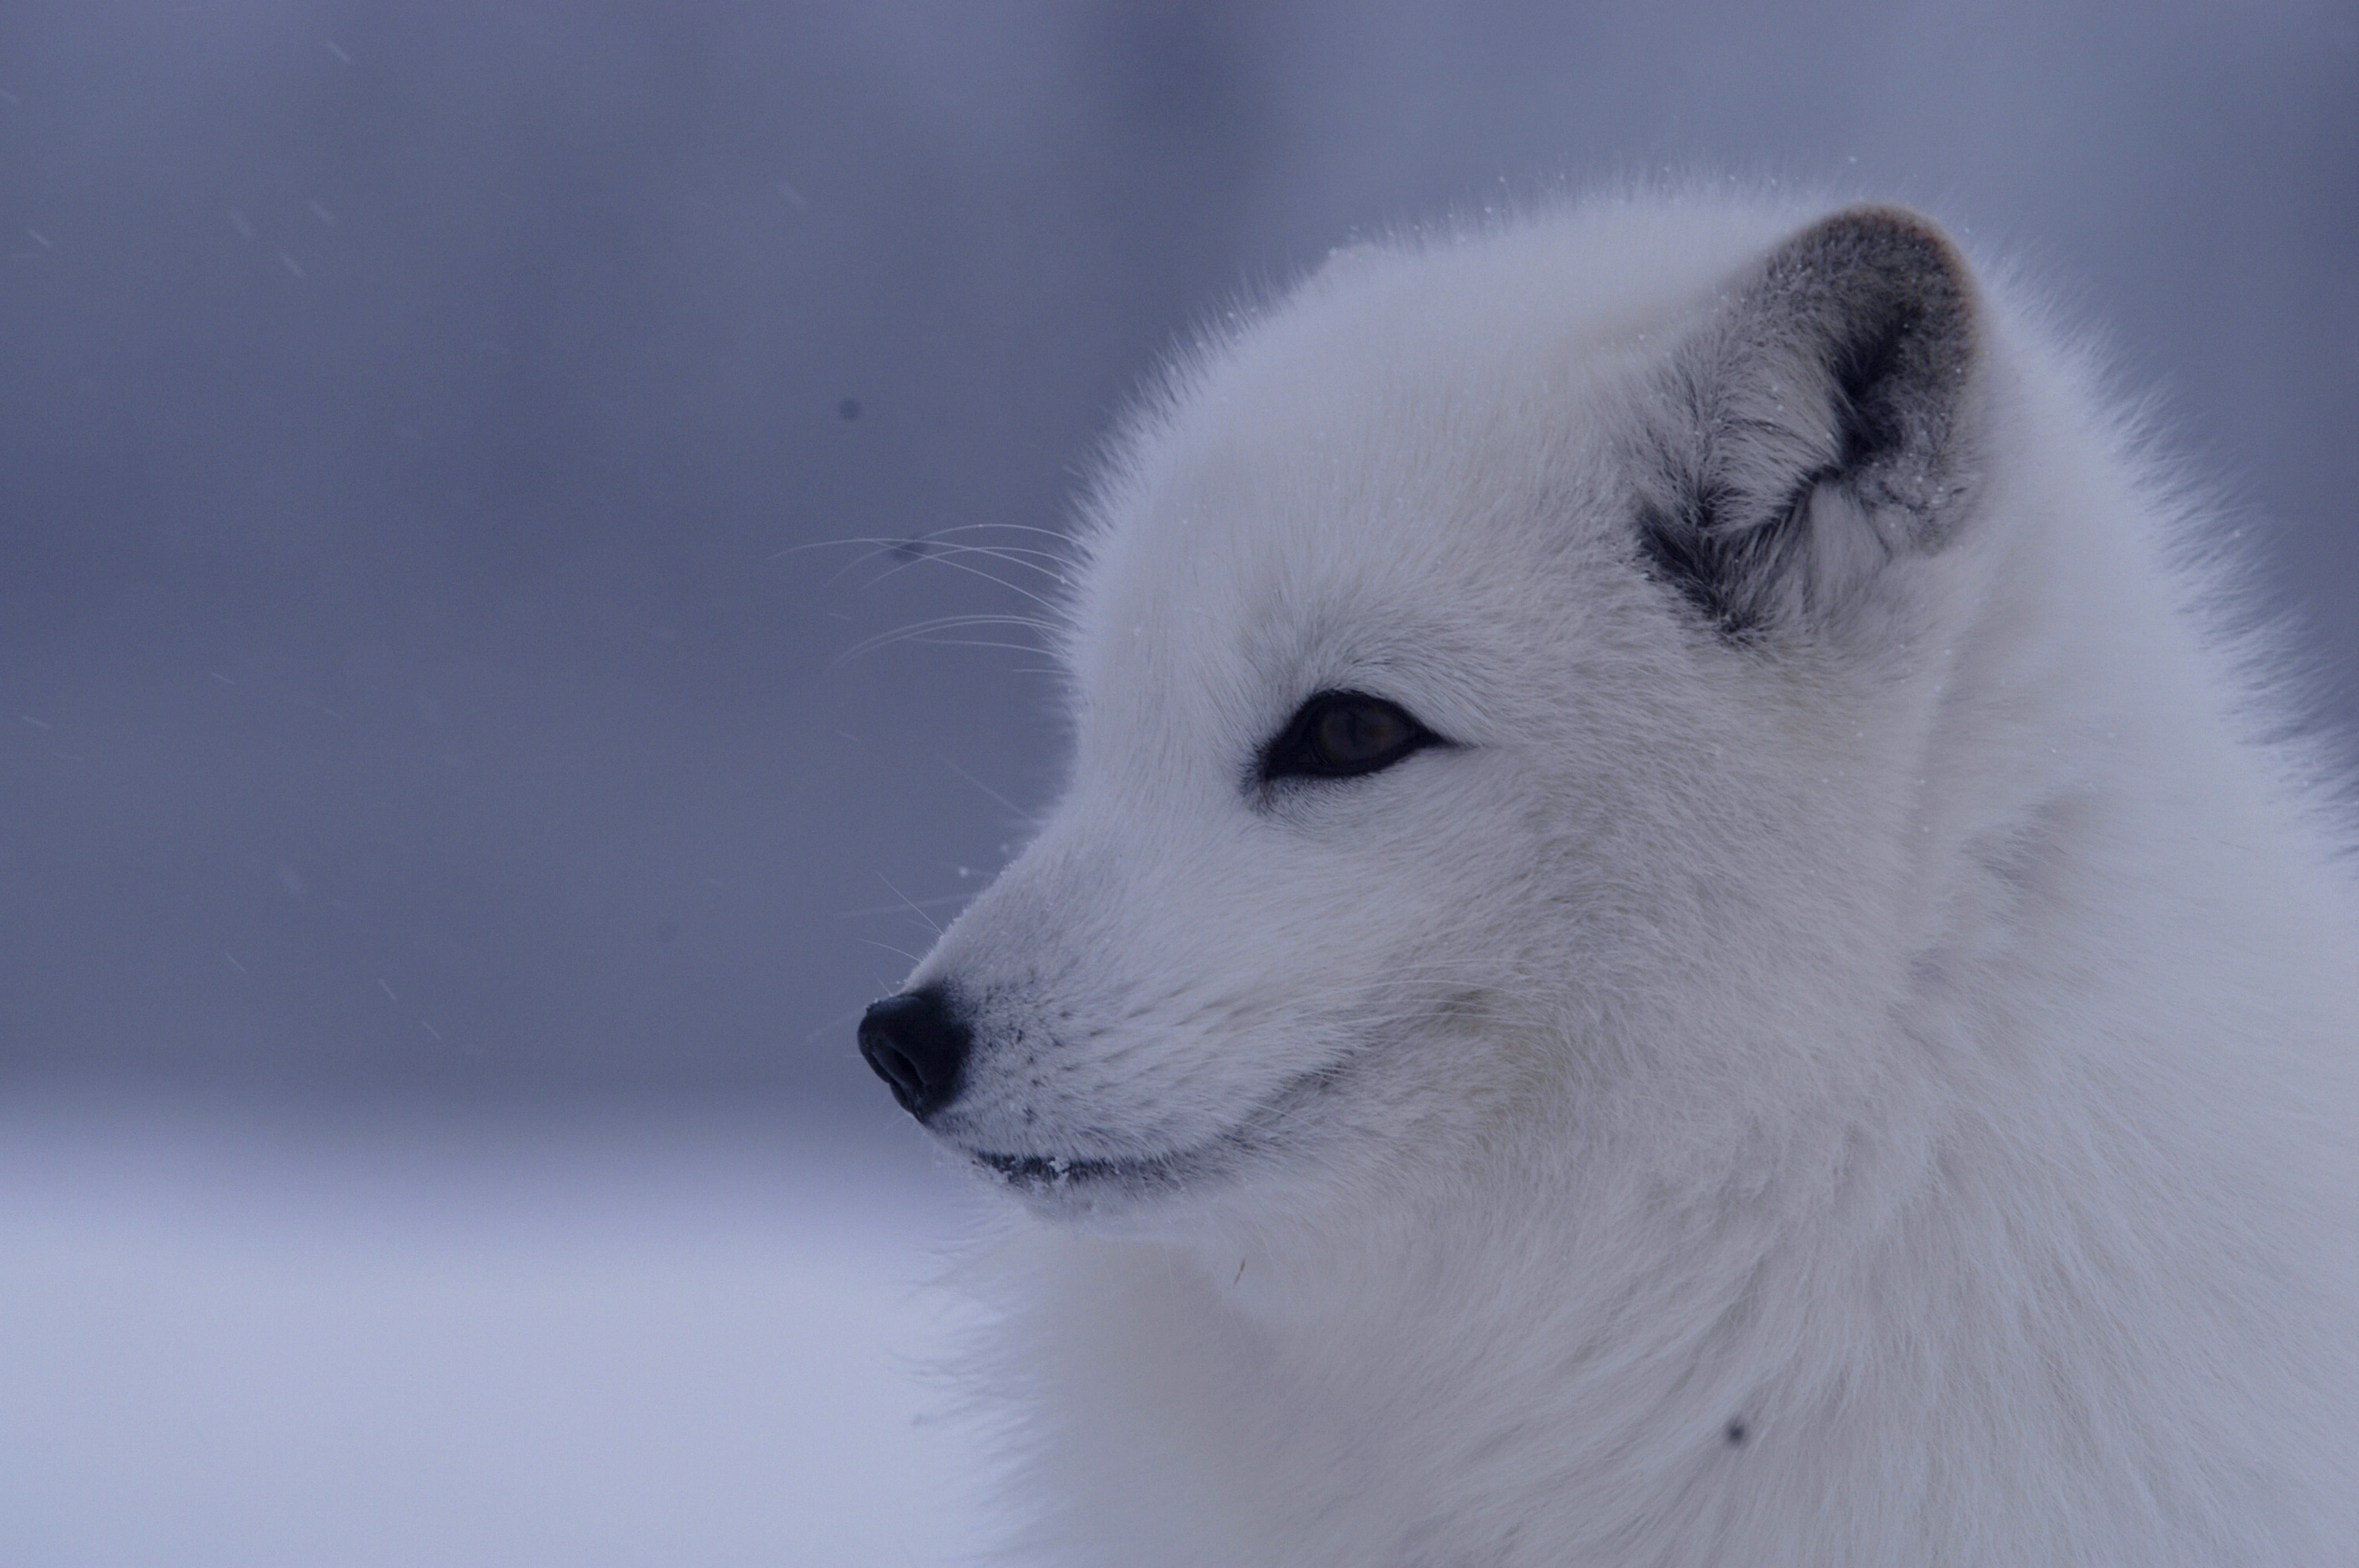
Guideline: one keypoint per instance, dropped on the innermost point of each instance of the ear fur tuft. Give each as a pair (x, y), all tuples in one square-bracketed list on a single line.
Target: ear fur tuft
[(1820, 425)]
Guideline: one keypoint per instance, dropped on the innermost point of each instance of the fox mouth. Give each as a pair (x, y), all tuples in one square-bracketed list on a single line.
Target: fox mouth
[(1054, 1178), (1043, 1174)]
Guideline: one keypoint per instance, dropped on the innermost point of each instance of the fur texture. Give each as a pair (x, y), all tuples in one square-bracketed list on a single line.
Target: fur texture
[(1841, 1053)]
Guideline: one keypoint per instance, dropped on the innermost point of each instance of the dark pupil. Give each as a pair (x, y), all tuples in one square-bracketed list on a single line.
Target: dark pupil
[(1353, 732)]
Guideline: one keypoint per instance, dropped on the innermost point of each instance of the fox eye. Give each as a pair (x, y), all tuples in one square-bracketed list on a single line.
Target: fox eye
[(1337, 734)]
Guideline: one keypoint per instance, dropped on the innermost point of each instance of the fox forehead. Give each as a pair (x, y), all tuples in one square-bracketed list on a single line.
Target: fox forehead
[(1205, 636), (1274, 470)]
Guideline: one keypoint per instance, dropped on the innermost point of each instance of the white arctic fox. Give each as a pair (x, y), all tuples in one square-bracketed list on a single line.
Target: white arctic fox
[(1669, 945)]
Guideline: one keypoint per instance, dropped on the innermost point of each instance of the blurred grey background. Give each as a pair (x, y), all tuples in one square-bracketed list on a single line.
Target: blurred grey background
[(411, 682)]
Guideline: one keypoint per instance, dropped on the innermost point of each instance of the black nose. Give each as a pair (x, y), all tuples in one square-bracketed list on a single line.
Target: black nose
[(918, 1046)]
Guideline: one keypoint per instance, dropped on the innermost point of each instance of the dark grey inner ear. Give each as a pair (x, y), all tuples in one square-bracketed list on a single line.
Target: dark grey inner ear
[(1817, 427)]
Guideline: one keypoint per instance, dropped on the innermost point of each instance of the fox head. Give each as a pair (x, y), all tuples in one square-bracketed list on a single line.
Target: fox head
[(1496, 676)]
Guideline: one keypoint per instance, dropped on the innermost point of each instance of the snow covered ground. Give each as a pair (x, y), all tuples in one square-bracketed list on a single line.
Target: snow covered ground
[(226, 1338)]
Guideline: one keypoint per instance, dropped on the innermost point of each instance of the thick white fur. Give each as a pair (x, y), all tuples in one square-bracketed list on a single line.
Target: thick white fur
[(1877, 1096)]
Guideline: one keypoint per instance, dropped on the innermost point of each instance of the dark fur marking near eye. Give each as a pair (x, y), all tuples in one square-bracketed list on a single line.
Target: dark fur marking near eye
[(1735, 1433)]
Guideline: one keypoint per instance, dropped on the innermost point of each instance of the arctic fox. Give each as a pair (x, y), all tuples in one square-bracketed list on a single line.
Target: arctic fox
[(1670, 943)]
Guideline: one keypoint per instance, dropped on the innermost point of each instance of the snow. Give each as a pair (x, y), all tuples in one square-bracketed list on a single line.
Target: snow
[(227, 1338)]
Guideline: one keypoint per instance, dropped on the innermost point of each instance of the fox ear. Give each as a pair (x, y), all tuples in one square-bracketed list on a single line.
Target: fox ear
[(1820, 423)]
